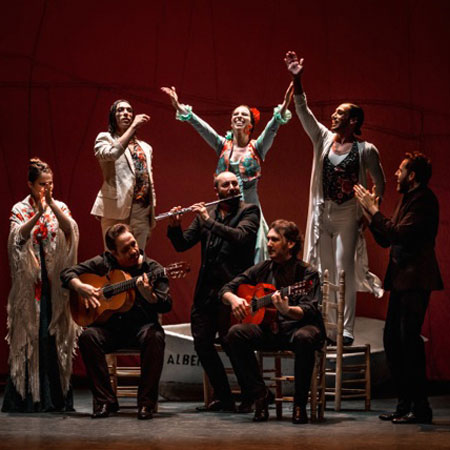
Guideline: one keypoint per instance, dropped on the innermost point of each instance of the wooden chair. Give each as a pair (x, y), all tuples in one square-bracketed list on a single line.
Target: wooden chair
[(357, 382), (317, 390), (118, 373)]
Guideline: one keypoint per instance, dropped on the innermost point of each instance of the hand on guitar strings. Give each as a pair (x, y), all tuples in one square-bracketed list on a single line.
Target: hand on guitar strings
[(90, 294), (239, 306), (146, 289), (281, 303)]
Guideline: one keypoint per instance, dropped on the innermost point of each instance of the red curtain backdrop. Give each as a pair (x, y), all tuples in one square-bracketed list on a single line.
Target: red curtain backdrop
[(64, 63)]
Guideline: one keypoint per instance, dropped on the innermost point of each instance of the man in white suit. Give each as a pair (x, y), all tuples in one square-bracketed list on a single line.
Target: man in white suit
[(127, 194)]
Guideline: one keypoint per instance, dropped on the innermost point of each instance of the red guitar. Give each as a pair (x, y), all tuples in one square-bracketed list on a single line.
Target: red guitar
[(259, 298), (117, 293)]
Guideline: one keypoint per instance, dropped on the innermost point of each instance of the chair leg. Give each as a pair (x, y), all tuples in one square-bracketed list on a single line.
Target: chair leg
[(322, 384), (278, 388), (338, 384), (368, 379), (111, 361), (313, 391)]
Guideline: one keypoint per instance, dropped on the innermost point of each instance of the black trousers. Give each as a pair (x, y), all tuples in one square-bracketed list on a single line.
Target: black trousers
[(405, 352), (95, 342), (241, 342), (206, 322)]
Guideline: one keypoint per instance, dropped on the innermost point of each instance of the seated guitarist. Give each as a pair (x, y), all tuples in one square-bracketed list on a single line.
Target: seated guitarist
[(138, 327), (297, 324)]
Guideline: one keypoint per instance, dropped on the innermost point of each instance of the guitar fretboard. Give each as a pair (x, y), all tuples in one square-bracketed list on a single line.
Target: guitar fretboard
[(111, 290), (300, 288)]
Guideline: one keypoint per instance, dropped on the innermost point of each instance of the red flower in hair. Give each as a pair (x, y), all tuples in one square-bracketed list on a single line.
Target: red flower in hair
[(256, 114)]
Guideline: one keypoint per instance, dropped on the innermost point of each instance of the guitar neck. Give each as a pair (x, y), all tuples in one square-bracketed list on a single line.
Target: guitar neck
[(111, 290), (266, 300)]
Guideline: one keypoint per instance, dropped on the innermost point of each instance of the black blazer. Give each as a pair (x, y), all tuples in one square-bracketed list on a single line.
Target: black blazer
[(411, 234), (231, 255)]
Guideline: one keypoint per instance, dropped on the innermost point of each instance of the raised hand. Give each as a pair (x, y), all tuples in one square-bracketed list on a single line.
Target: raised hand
[(172, 93), (48, 193), (41, 204), (139, 120), (289, 93), (287, 98), (293, 64)]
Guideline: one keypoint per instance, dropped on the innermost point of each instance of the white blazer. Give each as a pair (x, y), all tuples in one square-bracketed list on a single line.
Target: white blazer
[(115, 197)]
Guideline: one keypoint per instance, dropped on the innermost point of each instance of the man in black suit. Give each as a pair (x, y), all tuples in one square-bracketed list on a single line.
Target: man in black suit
[(227, 232), (412, 274)]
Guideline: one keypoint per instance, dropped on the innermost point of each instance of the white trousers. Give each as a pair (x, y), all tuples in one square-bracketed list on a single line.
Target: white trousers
[(139, 222), (337, 245)]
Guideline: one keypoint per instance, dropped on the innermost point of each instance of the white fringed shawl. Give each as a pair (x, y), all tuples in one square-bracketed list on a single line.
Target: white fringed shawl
[(23, 309)]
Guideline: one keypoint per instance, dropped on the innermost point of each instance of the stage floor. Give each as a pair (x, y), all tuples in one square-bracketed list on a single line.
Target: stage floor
[(178, 426)]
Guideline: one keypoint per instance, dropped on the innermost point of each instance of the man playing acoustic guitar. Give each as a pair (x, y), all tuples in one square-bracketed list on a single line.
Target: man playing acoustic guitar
[(297, 324), (137, 327)]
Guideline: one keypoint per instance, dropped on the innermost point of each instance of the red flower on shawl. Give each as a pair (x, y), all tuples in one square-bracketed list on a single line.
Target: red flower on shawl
[(41, 232)]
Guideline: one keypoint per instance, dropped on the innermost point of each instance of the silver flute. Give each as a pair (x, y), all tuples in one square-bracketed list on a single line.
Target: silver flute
[(185, 210)]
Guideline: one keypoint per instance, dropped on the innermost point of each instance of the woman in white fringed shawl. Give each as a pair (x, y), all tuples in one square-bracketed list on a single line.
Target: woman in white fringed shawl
[(43, 239)]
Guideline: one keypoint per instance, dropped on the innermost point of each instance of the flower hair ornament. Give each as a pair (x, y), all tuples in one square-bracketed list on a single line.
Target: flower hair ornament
[(256, 114)]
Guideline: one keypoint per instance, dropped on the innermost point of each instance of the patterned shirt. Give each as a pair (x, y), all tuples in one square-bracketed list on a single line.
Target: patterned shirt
[(142, 187), (338, 180)]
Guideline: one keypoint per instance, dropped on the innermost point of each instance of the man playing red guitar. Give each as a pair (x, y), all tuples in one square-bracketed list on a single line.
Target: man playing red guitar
[(298, 325), (139, 326)]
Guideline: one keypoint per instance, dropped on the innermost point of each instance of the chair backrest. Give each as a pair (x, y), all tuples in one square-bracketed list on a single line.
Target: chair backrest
[(334, 303)]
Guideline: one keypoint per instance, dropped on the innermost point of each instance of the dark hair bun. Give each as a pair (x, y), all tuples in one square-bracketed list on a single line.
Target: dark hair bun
[(36, 167)]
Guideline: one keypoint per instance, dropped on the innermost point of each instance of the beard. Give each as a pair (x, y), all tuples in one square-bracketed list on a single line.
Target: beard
[(404, 186)]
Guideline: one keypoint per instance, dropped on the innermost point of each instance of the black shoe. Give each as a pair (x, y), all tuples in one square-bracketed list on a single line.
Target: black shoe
[(391, 416), (347, 340), (145, 413), (413, 418), (103, 410), (299, 414), (218, 406), (245, 407), (262, 408)]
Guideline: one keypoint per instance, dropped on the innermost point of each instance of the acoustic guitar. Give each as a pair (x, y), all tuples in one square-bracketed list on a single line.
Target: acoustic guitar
[(259, 298), (118, 293)]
